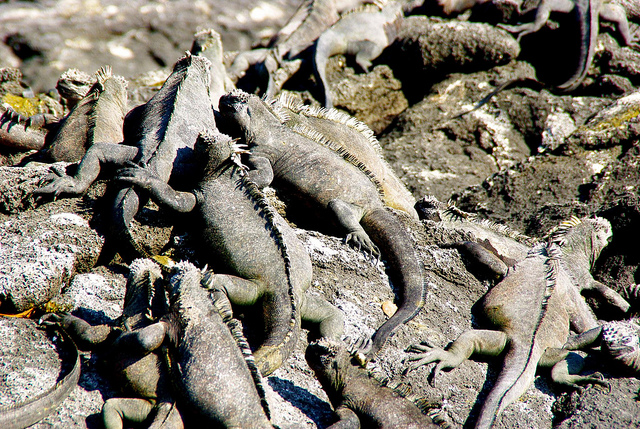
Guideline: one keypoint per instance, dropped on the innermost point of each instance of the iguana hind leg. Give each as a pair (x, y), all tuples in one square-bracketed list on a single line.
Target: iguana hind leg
[(542, 16), (116, 410), (328, 318), (348, 216), (565, 372), (478, 341)]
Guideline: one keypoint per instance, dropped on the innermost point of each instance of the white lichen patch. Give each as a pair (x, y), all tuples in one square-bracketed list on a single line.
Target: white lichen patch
[(558, 126), (69, 219)]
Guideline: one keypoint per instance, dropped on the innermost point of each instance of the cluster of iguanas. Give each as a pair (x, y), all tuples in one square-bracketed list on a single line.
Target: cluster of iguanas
[(206, 150)]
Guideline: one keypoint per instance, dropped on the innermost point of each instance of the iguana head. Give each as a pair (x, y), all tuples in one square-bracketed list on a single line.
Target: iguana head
[(587, 236), (329, 360), (214, 148), (195, 65), (73, 85), (621, 339), (247, 112), (115, 86), (144, 297)]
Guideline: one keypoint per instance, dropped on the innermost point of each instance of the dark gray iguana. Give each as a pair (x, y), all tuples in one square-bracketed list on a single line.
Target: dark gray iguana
[(364, 33), (353, 140), (325, 183), (588, 14), (159, 136), (244, 238), (33, 410), (359, 399), (533, 329), (136, 369), (214, 374)]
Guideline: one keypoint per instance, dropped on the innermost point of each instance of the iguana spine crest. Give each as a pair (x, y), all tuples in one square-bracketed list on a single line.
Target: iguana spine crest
[(453, 213), (256, 195), (235, 327), (552, 256), (320, 138)]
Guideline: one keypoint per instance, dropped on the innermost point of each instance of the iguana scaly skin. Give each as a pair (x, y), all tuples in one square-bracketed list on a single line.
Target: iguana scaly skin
[(135, 364), (353, 140), (533, 329), (97, 117), (159, 136), (324, 181), (30, 412), (207, 43), (212, 366), (260, 254), (588, 14), (490, 246), (359, 399), (28, 133), (363, 33), (619, 340)]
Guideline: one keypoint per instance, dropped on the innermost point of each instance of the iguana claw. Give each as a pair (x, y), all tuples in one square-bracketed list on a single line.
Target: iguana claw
[(361, 241)]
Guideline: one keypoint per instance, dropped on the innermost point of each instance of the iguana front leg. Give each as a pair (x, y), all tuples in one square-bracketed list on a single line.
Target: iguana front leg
[(348, 216), (261, 170), (88, 169), (160, 191), (609, 295), (80, 330), (542, 16), (347, 419), (615, 13), (480, 341)]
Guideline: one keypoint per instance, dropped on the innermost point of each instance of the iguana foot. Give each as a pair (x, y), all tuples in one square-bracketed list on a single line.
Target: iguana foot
[(632, 294), (595, 378), (359, 348), (136, 175), (426, 354), (361, 241), (59, 183)]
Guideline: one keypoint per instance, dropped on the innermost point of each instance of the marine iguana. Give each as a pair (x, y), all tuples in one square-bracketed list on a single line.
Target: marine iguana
[(359, 399), (353, 140), (619, 340), (97, 117), (30, 412), (211, 363), (137, 370), (324, 181), (279, 60), (28, 133), (159, 136), (207, 43), (587, 14), (363, 33), (491, 248), (261, 257), (533, 329)]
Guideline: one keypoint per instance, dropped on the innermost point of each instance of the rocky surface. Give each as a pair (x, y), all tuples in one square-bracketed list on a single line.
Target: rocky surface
[(529, 158)]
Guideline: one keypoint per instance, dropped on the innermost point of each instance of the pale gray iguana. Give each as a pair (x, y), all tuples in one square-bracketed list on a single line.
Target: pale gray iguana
[(532, 329)]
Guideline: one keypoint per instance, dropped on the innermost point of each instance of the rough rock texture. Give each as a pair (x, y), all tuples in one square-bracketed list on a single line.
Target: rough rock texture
[(46, 37), (528, 158), (41, 250)]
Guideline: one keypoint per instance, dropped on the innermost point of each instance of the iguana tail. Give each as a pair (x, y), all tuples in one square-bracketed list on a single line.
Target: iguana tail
[(406, 271), (36, 409), (125, 207), (325, 47), (517, 375)]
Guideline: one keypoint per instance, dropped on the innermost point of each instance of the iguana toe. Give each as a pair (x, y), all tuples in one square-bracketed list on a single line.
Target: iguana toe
[(361, 241)]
